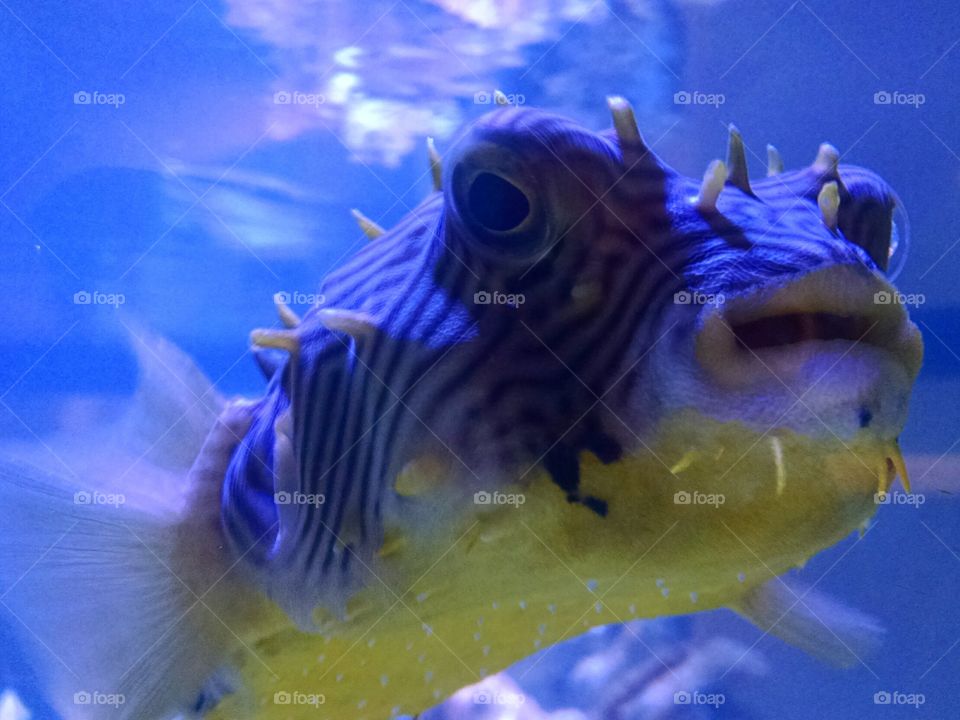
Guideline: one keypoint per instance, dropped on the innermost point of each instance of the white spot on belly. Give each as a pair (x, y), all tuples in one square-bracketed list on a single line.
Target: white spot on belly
[(778, 463)]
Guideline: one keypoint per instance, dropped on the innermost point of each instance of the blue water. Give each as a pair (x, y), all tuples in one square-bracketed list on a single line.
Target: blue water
[(150, 164)]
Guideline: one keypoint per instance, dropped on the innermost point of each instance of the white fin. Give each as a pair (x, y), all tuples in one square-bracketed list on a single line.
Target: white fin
[(166, 419), (811, 621), (112, 574)]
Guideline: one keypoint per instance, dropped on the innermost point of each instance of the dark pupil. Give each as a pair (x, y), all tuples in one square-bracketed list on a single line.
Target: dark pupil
[(496, 203)]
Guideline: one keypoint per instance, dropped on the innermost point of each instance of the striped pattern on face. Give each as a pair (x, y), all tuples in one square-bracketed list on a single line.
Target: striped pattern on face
[(508, 315)]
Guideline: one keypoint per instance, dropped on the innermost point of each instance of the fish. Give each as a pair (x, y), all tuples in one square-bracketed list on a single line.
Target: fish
[(571, 388)]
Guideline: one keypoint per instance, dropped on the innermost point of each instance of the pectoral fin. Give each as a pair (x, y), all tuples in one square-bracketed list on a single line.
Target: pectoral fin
[(811, 621)]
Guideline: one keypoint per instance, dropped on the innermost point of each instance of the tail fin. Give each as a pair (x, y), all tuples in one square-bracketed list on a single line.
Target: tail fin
[(114, 581), (811, 621)]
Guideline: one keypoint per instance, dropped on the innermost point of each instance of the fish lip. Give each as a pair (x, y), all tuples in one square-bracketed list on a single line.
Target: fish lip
[(838, 304)]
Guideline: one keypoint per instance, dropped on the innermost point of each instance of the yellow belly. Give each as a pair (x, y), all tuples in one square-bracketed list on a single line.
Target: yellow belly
[(499, 583)]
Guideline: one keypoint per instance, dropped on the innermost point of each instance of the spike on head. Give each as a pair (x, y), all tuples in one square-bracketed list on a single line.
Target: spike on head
[(368, 226), (628, 134), (774, 161), (287, 316), (355, 324), (285, 340), (829, 202), (713, 181), (737, 162), (499, 98), (436, 165), (624, 121), (827, 161)]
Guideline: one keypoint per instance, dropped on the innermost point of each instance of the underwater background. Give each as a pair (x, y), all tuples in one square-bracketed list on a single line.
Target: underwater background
[(174, 165)]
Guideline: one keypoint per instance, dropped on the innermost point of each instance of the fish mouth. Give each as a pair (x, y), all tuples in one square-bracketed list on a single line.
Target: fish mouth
[(834, 313), (782, 330)]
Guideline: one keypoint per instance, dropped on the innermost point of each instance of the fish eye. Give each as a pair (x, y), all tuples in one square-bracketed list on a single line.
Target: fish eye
[(496, 203), (499, 204)]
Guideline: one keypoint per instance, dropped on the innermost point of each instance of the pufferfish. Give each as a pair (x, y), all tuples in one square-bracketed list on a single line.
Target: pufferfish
[(571, 388)]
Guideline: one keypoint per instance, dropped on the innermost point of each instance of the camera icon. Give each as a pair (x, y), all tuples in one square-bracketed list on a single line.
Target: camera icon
[(882, 698), (682, 298), (282, 297), (681, 497), (82, 698), (881, 498), (82, 298), (681, 697), (482, 98), (281, 97), (482, 698), (281, 697), (882, 298), (282, 498), (482, 298), (82, 98), (82, 497), (682, 98), (882, 97), (482, 497)]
